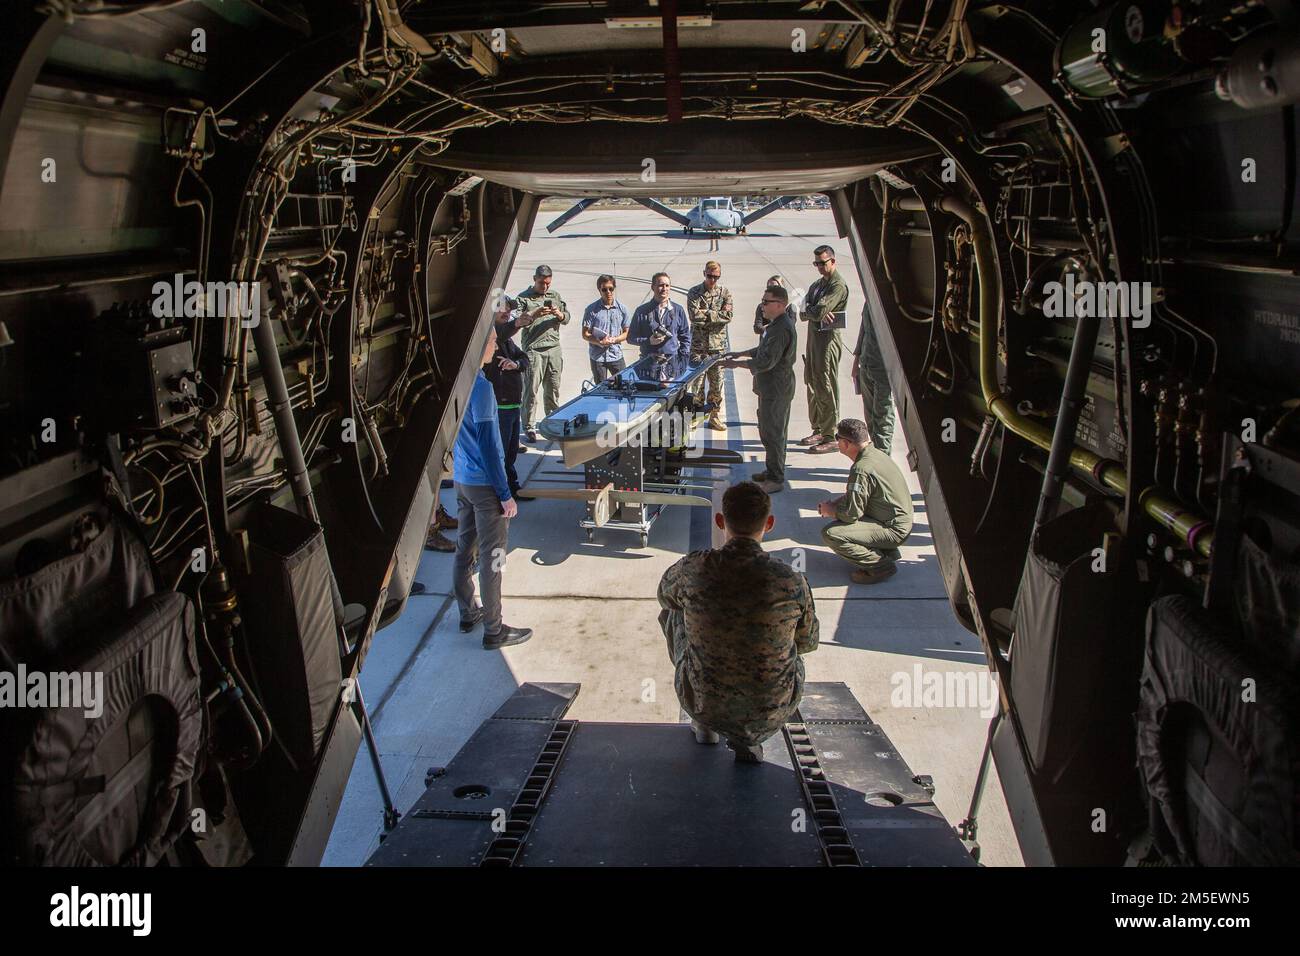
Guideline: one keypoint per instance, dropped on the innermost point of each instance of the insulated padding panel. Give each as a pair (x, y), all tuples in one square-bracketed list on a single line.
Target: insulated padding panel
[(1065, 626), (293, 638)]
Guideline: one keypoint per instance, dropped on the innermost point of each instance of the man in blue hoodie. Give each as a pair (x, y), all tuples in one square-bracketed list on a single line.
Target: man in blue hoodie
[(485, 507)]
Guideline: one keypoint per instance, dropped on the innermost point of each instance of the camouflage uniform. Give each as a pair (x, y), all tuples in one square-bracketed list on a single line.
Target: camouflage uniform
[(873, 385), (875, 516), (541, 340), (710, 312), (736, 621), (821, 358)]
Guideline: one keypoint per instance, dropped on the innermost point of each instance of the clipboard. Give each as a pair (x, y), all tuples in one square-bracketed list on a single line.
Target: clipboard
[(839, 321)]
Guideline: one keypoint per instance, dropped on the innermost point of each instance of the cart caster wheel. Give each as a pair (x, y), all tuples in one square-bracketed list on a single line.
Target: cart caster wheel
[(645, 540)]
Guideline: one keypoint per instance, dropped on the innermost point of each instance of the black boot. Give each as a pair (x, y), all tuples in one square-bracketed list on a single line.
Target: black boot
[(746, 753), (506, 637)]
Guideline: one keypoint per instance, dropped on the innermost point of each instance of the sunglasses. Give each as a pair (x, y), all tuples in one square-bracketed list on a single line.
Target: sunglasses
[(713, 275), (607, 288), (822, 262)]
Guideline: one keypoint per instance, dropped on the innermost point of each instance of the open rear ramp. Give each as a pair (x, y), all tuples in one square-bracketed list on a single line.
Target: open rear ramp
[(531, 788)]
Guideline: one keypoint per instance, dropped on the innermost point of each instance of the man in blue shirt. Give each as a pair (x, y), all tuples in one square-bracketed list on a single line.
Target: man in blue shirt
[(604, 325), (485, 506), (660, 327)]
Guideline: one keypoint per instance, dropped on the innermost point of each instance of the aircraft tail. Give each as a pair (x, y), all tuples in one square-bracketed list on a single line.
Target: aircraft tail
[(664, 211), (763, 210), (572, 211)]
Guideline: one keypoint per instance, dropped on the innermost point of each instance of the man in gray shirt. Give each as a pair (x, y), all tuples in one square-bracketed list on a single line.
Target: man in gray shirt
[(604, 326)]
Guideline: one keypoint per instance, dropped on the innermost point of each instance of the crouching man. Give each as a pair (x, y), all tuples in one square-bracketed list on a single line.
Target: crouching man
[(736, 621), (874, 516)]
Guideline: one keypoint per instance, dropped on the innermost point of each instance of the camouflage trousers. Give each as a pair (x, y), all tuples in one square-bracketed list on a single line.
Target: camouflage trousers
[(866, 543), (715, 711), (704, 344), (714, 379)]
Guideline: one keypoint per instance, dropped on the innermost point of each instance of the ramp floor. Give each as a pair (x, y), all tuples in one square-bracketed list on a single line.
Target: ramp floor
[(532, 789)]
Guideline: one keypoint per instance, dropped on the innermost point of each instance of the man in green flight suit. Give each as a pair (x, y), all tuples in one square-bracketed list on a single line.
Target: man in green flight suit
[(541, 313), (821, 360), (708, 305), (875, 515), (873, 384), (773, 366)]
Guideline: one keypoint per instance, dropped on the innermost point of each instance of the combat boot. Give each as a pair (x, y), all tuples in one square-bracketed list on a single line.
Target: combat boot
[(437, 541), (746, 753), (703, 735), (444, 520), (771, 487), (716, 423), (873, 575)]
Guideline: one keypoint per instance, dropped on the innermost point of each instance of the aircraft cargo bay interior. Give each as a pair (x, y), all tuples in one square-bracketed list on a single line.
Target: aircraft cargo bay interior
[(848, 433)]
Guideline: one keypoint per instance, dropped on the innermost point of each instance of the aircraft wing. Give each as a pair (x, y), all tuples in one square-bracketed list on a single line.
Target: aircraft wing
[(763, 210), (572, 211), (664, 211)]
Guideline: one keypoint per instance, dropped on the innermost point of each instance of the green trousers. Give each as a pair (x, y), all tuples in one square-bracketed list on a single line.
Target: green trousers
[(821, 367), (873, 384), (774, 427), (866, 543), (544, 368)]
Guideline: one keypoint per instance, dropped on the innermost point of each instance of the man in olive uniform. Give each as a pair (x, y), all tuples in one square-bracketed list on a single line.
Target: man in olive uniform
[(760, 323), (821, 360), (773, 366), (737, 622), (709, 307), (875, 515), (873, 384), (542, 312)]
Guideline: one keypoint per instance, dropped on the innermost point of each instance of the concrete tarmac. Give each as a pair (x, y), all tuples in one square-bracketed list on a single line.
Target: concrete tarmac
[(592, 605)]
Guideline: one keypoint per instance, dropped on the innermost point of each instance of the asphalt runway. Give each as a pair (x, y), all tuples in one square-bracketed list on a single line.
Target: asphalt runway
[(592, 605)]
